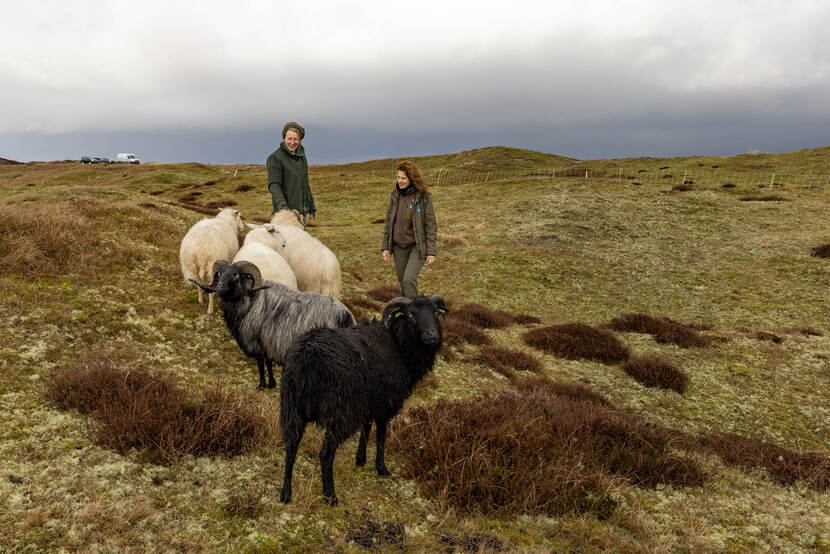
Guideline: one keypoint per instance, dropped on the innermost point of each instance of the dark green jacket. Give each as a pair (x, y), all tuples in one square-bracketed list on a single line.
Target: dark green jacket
[(288, 180), (423, 223)]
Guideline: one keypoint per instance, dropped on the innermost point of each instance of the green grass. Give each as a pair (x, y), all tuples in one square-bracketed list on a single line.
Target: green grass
[(562, 249)]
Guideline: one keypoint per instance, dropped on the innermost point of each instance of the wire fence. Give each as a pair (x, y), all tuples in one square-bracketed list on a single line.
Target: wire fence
[(664, 176)]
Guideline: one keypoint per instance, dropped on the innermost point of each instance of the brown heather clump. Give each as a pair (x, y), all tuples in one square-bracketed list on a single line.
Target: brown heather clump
[(534, 452), (362, 307), (384, 293), (682, 188), (71, 237), (44, 240), (219, 204), (499, 357), (656, 372), (803, 331), (577, 340), (822, 251), (482, 316), (525, 319), (764, 198), (574, 391), (663, 329), (787, 466), (143, 409), (458, 332)]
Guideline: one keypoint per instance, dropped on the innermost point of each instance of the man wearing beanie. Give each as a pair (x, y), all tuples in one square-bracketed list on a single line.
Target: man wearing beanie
[(288, 174)]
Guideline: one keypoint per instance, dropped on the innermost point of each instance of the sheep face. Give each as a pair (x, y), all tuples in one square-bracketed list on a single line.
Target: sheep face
[(232, 282), (269, 235), (420, 314), (234, 216)]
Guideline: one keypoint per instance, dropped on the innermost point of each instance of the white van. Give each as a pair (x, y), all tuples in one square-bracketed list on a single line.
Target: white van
[(127, 158)]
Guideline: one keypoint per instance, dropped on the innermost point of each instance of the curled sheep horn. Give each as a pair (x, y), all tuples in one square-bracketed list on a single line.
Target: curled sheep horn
[(438, 301), (253, 270), (392, 306), (218, 266)]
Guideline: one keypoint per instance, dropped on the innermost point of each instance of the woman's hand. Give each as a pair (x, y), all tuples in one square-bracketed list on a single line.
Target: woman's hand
[(430, 260), (385, 254), (309, 218)]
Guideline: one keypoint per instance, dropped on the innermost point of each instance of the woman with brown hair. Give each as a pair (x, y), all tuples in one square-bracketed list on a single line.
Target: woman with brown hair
[(410, 232)]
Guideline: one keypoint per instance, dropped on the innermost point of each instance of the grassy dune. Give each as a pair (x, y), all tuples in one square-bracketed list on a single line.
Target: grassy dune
[(89, 278)]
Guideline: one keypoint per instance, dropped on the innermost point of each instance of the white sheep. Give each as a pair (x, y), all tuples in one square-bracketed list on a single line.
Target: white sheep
[(262, 248), (207, 241), (315, 266)]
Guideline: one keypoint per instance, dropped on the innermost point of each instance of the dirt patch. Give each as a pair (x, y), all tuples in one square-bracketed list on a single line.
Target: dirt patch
[(372, 534)]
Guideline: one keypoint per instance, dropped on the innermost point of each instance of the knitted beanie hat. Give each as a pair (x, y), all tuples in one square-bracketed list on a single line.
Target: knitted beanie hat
[(296, 126)]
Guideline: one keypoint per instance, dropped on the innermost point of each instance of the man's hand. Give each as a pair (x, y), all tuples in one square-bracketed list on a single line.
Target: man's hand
[(430, 260), (309, 218), (385, 254)]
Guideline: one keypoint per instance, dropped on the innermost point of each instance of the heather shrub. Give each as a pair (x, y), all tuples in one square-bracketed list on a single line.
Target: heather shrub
[(458, 332), (384, 293), (482, 316), (577, 340), (656, 372), (534, 452), (147, 410), (663, 329), (787, 466), (822, 251), (499, 357)]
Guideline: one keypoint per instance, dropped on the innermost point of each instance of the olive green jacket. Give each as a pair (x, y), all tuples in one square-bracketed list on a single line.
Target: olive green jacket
[(423, 223), (288, 180)]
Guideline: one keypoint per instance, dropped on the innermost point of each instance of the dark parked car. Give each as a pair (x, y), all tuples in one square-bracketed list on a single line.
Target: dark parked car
[(86, 160)]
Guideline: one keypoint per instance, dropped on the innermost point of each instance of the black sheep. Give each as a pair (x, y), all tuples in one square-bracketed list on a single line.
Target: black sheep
[(344, 379)]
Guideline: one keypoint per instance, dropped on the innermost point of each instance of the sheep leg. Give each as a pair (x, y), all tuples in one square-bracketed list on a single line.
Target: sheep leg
[(260, 363), (292, 444), (271, 382), (330, 444), (360, 459), (380, 438), (210, 302), (201, 300)]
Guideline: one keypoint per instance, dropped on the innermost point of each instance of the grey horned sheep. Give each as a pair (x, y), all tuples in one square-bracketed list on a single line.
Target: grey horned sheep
[(265, 317)]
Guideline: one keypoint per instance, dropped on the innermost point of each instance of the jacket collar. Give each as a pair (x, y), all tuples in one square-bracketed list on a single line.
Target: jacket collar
[(299, 152)]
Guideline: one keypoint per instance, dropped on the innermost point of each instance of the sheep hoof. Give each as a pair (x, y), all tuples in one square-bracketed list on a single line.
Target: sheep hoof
[(260, 387), (360, 461), (383, 472), (331, 500), (272, 384), (285, 497)]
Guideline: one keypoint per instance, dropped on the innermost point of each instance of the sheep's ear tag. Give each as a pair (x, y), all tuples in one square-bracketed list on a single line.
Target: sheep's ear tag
[(397, 314), (247, 276), (442, 311)]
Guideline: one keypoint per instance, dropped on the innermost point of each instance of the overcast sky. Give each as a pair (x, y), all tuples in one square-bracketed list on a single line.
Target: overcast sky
[(214, 81)]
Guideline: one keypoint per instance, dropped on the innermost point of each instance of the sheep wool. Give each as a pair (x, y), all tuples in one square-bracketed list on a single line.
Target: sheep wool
[(266, 317), (262, 247), (345, 379), (207, 241), (315, 266)]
